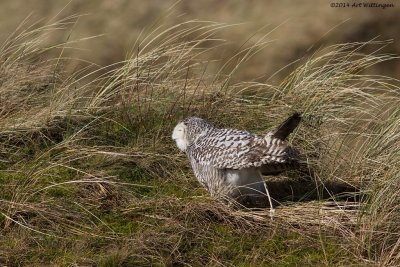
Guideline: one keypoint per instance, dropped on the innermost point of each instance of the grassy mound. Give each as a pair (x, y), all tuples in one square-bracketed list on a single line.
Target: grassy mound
[(90, 176)]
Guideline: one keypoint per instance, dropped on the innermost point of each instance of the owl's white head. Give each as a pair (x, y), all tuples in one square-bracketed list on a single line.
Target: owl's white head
[(189, 130), (179, 134)]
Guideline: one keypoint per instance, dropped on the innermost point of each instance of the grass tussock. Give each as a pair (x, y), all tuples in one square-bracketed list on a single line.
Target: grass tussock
[(89, 175)]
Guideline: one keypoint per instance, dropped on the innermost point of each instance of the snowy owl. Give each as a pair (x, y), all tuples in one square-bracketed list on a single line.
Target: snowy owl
[(230, 163)]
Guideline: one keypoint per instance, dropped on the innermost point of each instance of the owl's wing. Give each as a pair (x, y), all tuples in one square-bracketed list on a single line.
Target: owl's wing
[(235, 149)]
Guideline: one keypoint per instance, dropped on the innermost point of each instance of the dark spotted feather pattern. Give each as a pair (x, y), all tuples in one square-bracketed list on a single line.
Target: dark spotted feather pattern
[(236, 149)]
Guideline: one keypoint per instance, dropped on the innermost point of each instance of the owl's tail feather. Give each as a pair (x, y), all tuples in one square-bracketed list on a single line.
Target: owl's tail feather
[(287, 127)]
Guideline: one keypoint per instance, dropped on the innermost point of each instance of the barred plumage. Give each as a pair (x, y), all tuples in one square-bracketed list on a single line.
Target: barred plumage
[(229, 162)]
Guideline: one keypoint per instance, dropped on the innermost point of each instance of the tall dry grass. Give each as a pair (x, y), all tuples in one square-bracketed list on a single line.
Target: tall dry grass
[(65, 140)]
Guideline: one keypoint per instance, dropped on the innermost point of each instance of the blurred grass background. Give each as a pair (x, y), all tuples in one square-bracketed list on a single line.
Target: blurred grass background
[(295, 28)]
